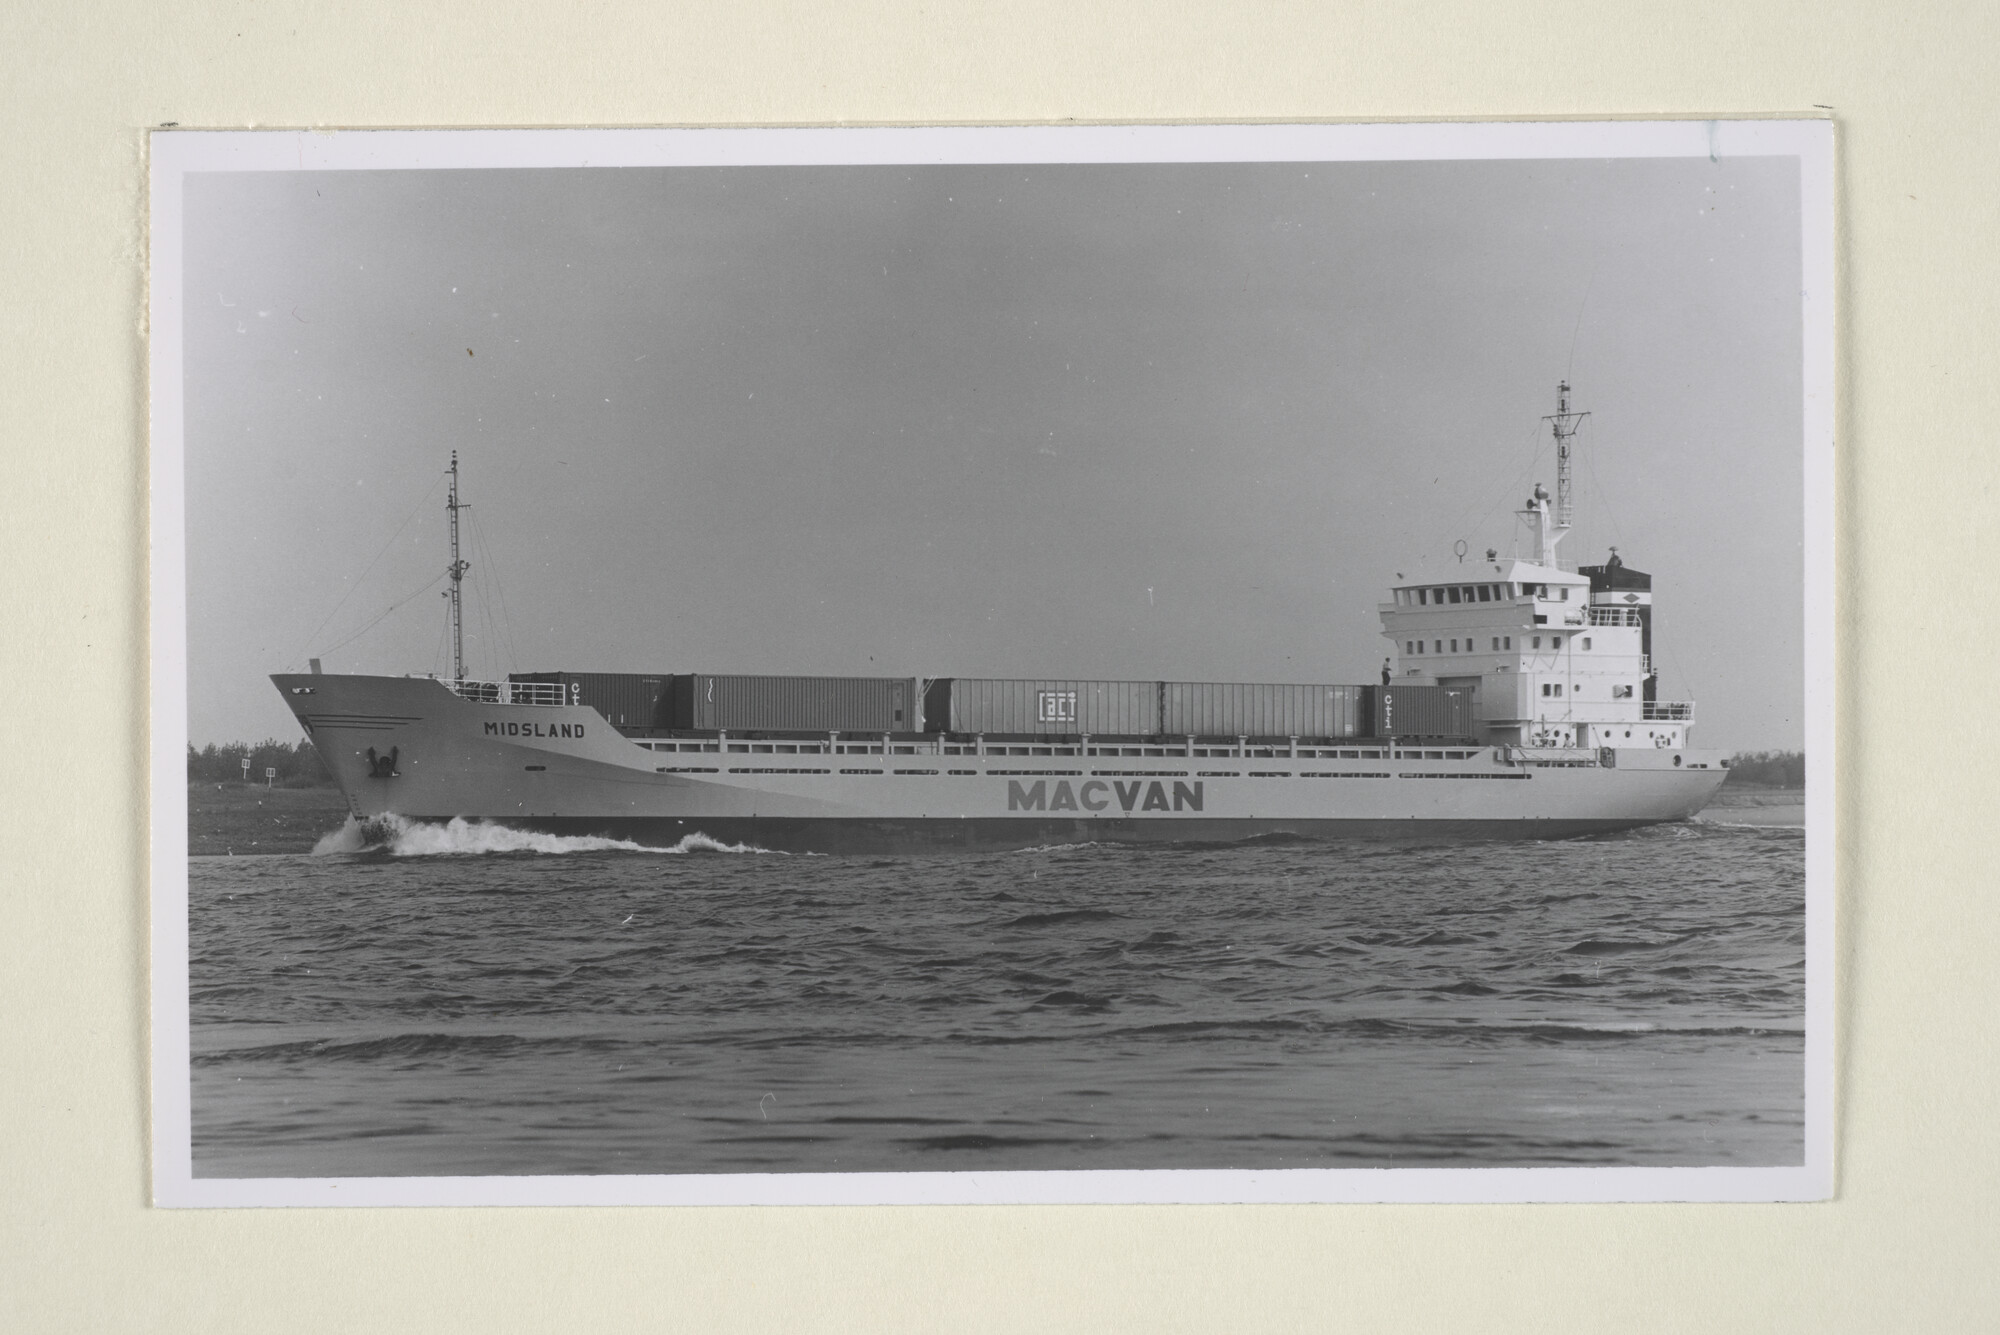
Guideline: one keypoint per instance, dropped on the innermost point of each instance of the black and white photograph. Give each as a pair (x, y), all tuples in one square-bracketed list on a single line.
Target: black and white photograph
[(1068, 664)]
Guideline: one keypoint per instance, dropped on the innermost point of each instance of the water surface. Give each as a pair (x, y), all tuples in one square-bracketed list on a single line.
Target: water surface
[(477, 1001)]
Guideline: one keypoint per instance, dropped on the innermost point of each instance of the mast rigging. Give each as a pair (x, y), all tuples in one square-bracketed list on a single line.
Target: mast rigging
[(1565, 424), (456, 570)]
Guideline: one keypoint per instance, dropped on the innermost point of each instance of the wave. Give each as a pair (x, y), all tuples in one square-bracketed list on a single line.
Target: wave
[(1059, 917), (1542, 1032), (1077, 1000), (1618, 946), (399, 836), (405, 1046), (1774, 826)]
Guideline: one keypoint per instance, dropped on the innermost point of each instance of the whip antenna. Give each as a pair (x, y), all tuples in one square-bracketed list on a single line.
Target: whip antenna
[(1565, 424)]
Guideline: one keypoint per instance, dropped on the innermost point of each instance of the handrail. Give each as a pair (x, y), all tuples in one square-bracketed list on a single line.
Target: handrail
[(1615, 616), (546, 693), (1668, 711)]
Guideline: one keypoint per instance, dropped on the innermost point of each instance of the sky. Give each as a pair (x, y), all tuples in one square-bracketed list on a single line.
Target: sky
[(1182, 421)]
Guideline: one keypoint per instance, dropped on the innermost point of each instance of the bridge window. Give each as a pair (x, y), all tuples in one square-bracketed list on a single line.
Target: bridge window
[(1437, 646), (1451, 595), (1621, 693), (1486, 593), (1506, 641)]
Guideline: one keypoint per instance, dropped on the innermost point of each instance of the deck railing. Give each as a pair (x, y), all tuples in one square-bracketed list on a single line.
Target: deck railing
[(1243, 748), (1615, 616), (510, 692), (1668, 711)]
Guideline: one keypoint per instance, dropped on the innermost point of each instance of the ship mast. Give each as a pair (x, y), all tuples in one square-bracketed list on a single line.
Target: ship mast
[(456, 570), (1564, 423)]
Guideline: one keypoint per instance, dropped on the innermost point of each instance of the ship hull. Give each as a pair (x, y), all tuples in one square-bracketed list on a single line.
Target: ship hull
[(992, 834), (410, 747)]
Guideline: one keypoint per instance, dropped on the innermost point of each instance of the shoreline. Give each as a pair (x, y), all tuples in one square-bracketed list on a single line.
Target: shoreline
[(226, 819)]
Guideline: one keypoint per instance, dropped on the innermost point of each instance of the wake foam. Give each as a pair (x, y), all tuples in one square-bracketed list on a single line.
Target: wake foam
[(398, 836)]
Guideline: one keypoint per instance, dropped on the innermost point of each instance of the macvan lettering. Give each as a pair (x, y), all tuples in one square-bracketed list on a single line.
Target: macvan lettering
[(571, 730), (1141, 796)]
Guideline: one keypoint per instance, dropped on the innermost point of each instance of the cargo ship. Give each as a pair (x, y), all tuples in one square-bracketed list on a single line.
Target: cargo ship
[(1517, 699)]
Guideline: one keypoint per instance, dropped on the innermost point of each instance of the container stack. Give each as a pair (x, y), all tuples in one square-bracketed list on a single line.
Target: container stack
[(792, 704), (1018, 707), (1423, 711), (1042, 708), (1253, 709), (710, 701)]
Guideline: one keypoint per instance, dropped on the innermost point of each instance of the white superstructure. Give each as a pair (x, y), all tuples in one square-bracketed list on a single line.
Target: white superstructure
[(1553, 657)]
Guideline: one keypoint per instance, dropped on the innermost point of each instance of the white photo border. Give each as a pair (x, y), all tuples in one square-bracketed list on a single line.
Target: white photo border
[(174, 154)]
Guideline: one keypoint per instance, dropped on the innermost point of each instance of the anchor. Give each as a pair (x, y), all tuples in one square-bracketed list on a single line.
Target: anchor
[(382, 767)]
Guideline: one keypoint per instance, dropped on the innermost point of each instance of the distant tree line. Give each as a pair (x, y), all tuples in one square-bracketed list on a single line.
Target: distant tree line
[(1769, 769), (298, 765)]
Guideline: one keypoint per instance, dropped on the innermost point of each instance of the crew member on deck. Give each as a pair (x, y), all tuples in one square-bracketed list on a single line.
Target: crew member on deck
[(1385, 672)]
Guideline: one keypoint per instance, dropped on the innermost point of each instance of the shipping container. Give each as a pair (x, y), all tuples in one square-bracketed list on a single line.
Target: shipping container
[(792, 704), (626, 699), (1042, 707), (1256, 709), (1423, 711)]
